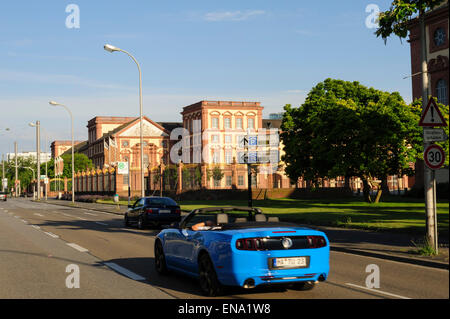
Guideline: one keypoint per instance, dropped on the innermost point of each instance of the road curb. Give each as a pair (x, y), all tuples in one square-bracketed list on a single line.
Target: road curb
[(414, 261)]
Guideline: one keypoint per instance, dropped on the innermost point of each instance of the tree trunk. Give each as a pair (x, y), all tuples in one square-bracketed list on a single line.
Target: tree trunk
[(377, 198), (366, 190)]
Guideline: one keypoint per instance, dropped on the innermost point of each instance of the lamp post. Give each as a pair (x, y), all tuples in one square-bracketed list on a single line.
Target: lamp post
[(37, 125), (111, 48), (73, 161)]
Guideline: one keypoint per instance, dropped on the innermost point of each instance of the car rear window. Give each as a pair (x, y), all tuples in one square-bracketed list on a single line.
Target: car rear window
[(161, 201)]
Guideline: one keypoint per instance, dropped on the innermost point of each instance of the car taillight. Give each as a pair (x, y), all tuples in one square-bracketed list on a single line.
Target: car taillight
[(178, 211), (316, 241), (149, 211), (250, 244)]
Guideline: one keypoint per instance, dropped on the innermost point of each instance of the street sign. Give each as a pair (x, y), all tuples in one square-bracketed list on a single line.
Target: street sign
[(122, 168), (434, 156), (434, 135), (431, 115), (43, 177), (46, 181), (5, 182), (253, 140)]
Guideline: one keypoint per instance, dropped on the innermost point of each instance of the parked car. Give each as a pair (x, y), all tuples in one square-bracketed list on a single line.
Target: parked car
[(152, 211), (240, 246), (3, 196)]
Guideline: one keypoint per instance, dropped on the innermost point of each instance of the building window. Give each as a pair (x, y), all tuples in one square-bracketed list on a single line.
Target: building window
[(216, 157), (215, 122), (439, 37), (241, 180), (239, 123), (215, 139), (227, 139), (125, 143), (441, 91), (254, 180), (228, 157), (251, 123), (146, 162), (227, 122), (228, 180)]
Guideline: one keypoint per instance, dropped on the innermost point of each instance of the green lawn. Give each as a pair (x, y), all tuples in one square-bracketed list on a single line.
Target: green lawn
[(393, 213)]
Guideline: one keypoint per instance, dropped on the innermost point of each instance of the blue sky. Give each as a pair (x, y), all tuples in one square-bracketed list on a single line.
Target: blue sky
[(269, 51)]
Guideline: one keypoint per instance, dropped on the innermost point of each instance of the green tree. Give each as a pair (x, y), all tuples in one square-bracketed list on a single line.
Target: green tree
[(347, 129), (217, 173), (395, 20)]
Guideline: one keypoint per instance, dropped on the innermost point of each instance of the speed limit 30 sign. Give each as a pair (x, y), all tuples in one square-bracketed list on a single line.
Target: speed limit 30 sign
[(434, 156)]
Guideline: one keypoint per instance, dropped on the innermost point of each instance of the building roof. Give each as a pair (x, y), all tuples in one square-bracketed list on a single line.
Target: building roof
[(170, 125)]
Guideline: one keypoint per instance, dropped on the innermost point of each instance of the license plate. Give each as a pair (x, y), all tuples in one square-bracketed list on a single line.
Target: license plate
[(290, 262), (164, 211)]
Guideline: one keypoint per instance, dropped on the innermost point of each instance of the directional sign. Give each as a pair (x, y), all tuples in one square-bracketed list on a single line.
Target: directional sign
[(434, 135), (432, 116), (434, 156)]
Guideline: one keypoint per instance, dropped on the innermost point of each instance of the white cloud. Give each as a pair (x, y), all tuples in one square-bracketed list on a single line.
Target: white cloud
[(231, 15)]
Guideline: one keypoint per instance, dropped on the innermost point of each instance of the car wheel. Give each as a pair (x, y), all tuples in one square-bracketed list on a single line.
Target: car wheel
[(140, 223), (209, 283), (304, 286), (160, 259), (126, 221)]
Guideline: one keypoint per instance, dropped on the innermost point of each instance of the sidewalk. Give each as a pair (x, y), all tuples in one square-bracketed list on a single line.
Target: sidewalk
[(392, 246)]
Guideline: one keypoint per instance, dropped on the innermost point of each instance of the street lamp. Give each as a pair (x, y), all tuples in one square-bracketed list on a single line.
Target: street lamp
[(73, 161), (38, 156), (111, 48)]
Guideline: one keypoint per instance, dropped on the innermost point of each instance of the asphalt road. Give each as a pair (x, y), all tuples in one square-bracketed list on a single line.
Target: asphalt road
[(39, 243)]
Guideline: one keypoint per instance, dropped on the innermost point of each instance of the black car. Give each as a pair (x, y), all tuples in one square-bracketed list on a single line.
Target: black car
[(3, 196), (152, 211)]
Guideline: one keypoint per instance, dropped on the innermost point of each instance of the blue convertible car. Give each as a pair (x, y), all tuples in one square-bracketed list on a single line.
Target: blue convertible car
[(240, 246)]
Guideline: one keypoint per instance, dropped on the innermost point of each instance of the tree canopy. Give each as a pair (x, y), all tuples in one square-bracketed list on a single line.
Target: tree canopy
[(395, 20), (347, 129)]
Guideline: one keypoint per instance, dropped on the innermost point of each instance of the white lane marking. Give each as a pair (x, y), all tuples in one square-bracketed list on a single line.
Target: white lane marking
[(51, 234), (377, 291), (67, 215), (24, 221), (124, 271), (35, 226), (79, 248), (37, 214), (90, 214), (80, 218), (103, 224), (16, 216)]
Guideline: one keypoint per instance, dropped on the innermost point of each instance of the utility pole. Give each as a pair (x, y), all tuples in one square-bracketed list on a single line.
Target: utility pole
[(429, 175)]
